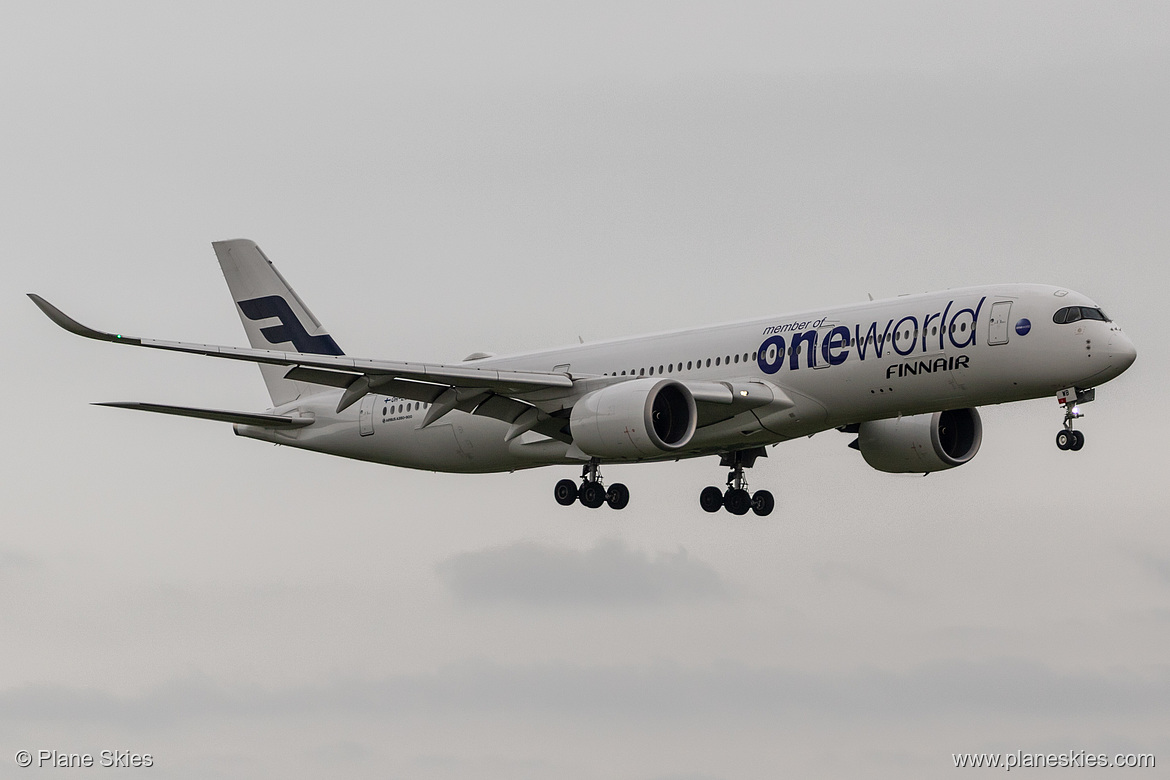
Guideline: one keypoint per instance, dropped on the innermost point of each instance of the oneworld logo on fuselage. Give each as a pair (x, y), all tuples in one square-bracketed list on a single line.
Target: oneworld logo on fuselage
[(903, 336), (290, 328)]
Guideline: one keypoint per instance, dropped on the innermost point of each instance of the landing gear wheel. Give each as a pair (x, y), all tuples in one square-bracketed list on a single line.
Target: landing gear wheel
[(763, 503), (711, 499), (737, 501), (617, 496), (565, 492), (1065, 439), (1078, 441), (592, 495)]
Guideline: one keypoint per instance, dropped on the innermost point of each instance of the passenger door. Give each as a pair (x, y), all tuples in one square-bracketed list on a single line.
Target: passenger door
[(997, 328), (366, 415)]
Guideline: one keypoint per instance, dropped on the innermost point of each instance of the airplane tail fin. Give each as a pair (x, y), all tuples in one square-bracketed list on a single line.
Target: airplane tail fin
[(274, 316)]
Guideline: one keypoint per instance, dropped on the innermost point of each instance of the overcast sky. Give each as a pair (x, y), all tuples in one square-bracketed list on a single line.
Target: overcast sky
[(438, 179)]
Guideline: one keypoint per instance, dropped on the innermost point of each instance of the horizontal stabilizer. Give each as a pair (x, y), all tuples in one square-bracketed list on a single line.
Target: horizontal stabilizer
[(243, 418)]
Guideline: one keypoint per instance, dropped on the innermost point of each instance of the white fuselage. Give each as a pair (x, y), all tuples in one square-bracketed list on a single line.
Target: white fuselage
[(849, 364)]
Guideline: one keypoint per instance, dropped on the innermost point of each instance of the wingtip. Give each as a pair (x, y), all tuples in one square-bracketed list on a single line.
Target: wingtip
[(63, 320)]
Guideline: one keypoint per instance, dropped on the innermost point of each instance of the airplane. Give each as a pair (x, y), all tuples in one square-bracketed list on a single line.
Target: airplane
[(905, 375)]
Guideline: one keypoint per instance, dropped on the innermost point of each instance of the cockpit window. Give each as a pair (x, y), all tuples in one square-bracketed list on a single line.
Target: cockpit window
[(1073, 313)]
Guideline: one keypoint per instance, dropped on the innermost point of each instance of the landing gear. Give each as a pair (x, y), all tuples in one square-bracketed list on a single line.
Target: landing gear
[(591, 492), (711, 499), (1068, 438), (763, 503), (736, 499), (565, 492), (617, 496), (592, 495)]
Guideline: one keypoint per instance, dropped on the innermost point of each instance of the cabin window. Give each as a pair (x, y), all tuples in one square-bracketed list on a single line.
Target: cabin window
[(737, 358), (660, 369), (641, 372), (716, 361)]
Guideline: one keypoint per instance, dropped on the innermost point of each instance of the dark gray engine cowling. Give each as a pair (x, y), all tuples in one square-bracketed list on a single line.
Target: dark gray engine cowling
[(922, 443), (636, 419)]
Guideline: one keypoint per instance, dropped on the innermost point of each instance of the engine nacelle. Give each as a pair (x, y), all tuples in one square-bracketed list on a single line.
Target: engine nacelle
[(921, 443), (636, 419)]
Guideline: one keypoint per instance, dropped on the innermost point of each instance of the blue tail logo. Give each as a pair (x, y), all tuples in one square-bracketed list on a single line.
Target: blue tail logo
[(289, 329)]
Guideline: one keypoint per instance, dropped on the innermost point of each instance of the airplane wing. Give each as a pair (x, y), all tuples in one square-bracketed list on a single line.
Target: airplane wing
[(490, 392), (511, 382), (243, 418), (514, 397)]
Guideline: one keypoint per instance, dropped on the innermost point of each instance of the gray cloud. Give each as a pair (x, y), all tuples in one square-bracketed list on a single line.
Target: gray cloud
[(608, 574), (1160, 567), (14, 559), (865, 577), (658, 692)]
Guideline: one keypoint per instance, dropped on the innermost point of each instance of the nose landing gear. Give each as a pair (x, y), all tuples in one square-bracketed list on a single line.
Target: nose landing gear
[(592, 493), (736, 499), (1070, 440), (1070, 399)]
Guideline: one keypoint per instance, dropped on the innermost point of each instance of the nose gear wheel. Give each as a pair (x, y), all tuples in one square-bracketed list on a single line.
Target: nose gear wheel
[(1068, 438)]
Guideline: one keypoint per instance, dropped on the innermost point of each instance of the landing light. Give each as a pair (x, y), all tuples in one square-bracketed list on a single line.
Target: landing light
[(743, 393)]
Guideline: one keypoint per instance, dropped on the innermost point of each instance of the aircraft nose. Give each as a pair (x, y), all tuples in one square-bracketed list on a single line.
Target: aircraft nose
[(1122, 351)]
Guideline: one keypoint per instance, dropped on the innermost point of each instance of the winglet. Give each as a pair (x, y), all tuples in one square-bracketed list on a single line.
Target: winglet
[(73, 326)]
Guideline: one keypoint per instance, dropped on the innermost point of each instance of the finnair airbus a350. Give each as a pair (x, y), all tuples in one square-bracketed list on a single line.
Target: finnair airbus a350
[(903, 374)]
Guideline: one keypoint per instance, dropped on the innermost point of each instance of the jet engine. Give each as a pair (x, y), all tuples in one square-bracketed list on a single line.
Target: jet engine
[(922, 443), (636, 419)]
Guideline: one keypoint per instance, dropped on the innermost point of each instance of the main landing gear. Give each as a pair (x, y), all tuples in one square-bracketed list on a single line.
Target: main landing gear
[(736, 498), (591, 493), (1068, 438)]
